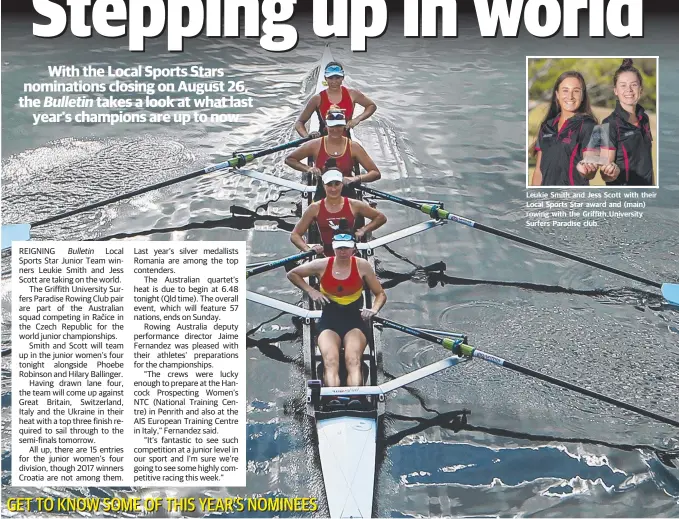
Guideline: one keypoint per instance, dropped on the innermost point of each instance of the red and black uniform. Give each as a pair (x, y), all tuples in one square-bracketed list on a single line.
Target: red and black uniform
[(345, 163), (562, 150), (632, 144), (346, 104), (328, 223), (343, 313)]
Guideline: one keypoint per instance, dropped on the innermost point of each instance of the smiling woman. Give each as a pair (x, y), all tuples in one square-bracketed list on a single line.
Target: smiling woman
[(337, 95), (630, 136), (563, 135)]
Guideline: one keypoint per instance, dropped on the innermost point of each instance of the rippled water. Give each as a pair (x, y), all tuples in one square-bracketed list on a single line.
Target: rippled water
[(450, 126)]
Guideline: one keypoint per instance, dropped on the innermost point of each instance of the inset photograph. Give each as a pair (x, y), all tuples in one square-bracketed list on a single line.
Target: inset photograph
[(592, 122)]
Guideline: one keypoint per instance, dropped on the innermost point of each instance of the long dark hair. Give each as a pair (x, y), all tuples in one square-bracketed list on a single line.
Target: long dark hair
[(627, 66), (555, 109)]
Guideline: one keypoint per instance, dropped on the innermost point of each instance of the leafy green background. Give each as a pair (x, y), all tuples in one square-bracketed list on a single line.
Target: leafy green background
[(598, 73)]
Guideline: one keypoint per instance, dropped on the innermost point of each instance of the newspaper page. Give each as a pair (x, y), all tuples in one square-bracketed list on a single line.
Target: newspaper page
[(339, 259)]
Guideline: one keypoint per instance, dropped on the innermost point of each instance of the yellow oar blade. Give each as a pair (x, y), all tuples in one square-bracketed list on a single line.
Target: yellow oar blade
[(15, 232)]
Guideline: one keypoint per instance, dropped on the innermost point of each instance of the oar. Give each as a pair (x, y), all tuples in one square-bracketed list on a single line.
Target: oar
[(277, 263), (465, 350), (22, 231), (670, 291), (446, 342)]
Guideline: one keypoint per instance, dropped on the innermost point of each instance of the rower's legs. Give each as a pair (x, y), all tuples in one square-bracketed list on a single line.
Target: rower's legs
[(354, 346), (329, 343)]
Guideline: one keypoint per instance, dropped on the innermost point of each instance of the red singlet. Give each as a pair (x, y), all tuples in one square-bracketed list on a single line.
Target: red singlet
[(345, 163), (345, 104), (328, 222), (342, 291)]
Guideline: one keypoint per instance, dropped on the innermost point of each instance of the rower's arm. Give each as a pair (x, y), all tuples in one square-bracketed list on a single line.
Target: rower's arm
[(368, 274), (313, 268), (359, 154), (377, 218), (294, 160), (300, 123), (537, 174), (297, 235), (369, 106)]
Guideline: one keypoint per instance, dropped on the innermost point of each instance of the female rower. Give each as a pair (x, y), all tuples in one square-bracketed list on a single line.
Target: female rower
[(339, 147), (563, 134), (629, 132), (336, 94), (342, 323), (330, 211)]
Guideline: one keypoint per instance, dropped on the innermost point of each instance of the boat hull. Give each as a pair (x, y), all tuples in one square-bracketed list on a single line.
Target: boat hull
[(346, 446)]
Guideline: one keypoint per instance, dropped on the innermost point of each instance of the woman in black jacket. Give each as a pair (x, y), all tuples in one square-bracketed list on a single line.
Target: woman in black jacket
[(563, 135), (629, 132)]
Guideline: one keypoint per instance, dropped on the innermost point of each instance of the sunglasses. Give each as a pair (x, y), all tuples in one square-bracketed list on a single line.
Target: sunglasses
[(335, 116), (343, 237)]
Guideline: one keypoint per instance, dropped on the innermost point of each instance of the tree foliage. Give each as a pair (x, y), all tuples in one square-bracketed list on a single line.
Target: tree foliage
[(598, 73)]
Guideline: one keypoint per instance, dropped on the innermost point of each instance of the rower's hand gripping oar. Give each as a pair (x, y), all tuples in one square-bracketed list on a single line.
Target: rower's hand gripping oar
[(22, 231), (464, 350), (277, 263), (670, 291)]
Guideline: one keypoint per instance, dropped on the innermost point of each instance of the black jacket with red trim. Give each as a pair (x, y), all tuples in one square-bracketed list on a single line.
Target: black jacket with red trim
[(562, 150), (633, 144)]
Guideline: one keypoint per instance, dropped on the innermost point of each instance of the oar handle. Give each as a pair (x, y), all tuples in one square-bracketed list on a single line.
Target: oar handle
[(275, 264)]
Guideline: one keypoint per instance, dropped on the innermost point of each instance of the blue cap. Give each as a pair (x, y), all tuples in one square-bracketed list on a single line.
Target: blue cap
[(334, 70), (343, 240)]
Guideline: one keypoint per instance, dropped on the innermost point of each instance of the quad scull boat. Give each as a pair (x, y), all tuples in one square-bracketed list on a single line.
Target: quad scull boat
[(346, 438)]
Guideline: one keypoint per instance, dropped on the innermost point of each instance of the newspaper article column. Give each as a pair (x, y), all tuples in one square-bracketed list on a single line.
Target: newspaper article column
[(128, 364)]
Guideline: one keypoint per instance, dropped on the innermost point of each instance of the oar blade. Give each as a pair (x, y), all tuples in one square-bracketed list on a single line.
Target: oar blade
[(15, 232), (670, 291)]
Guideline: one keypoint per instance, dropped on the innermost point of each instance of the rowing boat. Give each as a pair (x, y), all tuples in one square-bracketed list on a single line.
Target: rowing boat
[(346, 437)]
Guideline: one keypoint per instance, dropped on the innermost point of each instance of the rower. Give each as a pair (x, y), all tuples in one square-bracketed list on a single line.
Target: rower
[(337, 146), (335, 94), (343, 320), (328, 212)]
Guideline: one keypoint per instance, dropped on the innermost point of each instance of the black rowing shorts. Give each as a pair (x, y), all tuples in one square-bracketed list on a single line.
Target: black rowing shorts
[(342, 319)]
